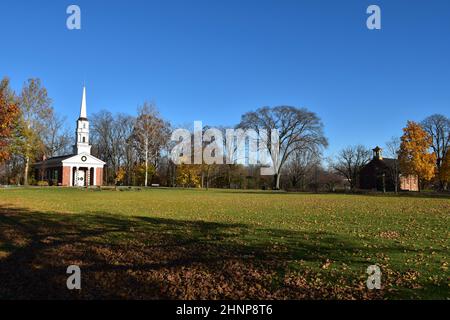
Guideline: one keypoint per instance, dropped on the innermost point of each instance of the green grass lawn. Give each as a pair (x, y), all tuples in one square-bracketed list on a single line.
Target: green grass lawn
[(216, 244)]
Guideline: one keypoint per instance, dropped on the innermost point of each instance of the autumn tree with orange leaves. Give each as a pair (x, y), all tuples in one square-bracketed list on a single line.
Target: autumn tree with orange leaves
[(415, 157), (9, 115)]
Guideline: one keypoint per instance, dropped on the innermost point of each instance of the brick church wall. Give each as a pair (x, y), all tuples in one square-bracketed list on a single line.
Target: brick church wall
[(66, 177), (99, 176), (409, 183)]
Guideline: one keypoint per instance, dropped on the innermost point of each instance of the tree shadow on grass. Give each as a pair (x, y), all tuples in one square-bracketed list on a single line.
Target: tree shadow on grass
[(154, 258)]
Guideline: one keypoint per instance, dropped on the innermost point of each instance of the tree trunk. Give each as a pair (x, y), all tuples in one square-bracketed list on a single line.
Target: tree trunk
[(203, 180), (27, 166), (276, 180), (350, 182), (146, 162), (441, 184), (146, 173)]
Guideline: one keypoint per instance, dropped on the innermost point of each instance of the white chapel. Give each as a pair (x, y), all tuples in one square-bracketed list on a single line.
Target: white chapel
[(79, 169)]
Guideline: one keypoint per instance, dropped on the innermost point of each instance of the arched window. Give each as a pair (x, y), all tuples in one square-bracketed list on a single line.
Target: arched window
[(84, 139)]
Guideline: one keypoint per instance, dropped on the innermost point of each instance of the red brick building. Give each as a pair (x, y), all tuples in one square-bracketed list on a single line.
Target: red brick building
[(79, 169), (380, 174)]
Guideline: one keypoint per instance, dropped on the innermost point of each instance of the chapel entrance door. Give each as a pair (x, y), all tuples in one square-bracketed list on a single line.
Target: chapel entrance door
[(80, 180)]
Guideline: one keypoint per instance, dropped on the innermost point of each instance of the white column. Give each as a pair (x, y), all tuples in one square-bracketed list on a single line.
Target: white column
[(95, 177), (88, 178), (76, 176)]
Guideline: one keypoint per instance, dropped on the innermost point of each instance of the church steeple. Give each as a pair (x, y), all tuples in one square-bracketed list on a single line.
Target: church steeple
[(82, 132), (83, 105)]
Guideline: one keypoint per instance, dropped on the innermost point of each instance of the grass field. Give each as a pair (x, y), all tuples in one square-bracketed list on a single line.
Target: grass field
[(216, 244)]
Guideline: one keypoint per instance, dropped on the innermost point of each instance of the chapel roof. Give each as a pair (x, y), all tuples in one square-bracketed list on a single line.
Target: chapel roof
[(53, 161)]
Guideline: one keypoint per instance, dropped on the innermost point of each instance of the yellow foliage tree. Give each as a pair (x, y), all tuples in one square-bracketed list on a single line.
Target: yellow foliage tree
[(120, 175), (188, 175), (140, 173), (415, 157)]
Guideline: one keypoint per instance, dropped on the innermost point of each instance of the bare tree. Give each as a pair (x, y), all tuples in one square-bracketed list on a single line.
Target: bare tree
[(330, 180), (102, 124), (124, 125), (301, 163), (349, 163), (120, 131), (438, 127), (298, 129), (57, 138), (393, 151), (113, 141), (151, 134)]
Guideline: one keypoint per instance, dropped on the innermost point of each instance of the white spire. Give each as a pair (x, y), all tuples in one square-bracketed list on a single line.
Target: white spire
[(83, 104)]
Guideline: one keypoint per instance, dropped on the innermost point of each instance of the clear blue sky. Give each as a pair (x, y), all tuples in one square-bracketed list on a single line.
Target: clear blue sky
[(214, 60)]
